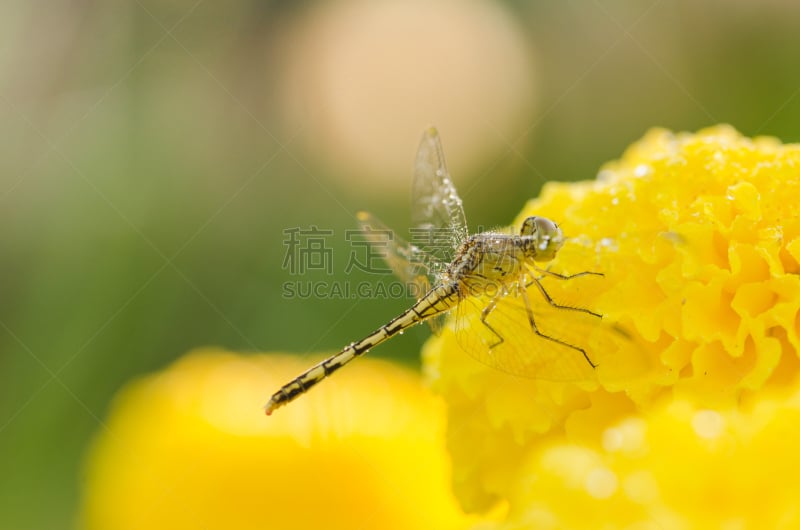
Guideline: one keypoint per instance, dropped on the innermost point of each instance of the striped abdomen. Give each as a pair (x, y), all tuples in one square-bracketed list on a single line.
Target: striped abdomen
[(438, 300)]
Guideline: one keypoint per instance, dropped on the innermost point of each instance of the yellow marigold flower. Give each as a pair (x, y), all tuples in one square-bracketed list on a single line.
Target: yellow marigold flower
[(698, 238), (190, 447)]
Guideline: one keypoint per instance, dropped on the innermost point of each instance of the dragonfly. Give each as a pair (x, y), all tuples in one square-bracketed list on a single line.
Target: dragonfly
[(485, 278)]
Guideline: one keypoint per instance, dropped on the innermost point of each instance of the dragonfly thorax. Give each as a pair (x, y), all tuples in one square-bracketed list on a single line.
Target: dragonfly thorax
[(488, 258), (492, 256)]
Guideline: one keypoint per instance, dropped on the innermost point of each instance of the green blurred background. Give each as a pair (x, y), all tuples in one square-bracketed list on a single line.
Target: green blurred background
[(153, 153)]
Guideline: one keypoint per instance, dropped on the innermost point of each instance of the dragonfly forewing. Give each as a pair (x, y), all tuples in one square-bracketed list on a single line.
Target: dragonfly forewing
[(438, 219)]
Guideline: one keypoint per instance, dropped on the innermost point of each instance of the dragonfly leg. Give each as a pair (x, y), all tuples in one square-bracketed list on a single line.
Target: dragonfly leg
[(532, 321), (548, 272), (485, 314), (549, 299)]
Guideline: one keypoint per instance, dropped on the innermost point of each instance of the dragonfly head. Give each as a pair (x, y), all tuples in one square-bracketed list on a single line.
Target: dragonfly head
[(542, 238)]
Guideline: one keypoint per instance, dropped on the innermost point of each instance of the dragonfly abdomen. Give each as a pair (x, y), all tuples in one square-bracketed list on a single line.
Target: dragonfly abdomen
[(438, 300)]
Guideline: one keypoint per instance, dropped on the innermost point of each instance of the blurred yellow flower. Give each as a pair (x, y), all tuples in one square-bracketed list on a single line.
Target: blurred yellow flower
[(698, 236), (190, 448)]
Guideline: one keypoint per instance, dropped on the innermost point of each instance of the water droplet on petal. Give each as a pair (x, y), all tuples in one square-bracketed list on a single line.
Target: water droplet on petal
[(642, 170)]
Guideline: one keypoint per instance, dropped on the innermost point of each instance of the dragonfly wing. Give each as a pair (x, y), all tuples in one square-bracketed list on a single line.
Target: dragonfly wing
[(409, 263), (440, 225)]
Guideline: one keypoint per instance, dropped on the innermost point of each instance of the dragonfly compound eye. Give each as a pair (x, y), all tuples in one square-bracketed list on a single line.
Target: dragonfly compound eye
[(545, 236), (530, 226)]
